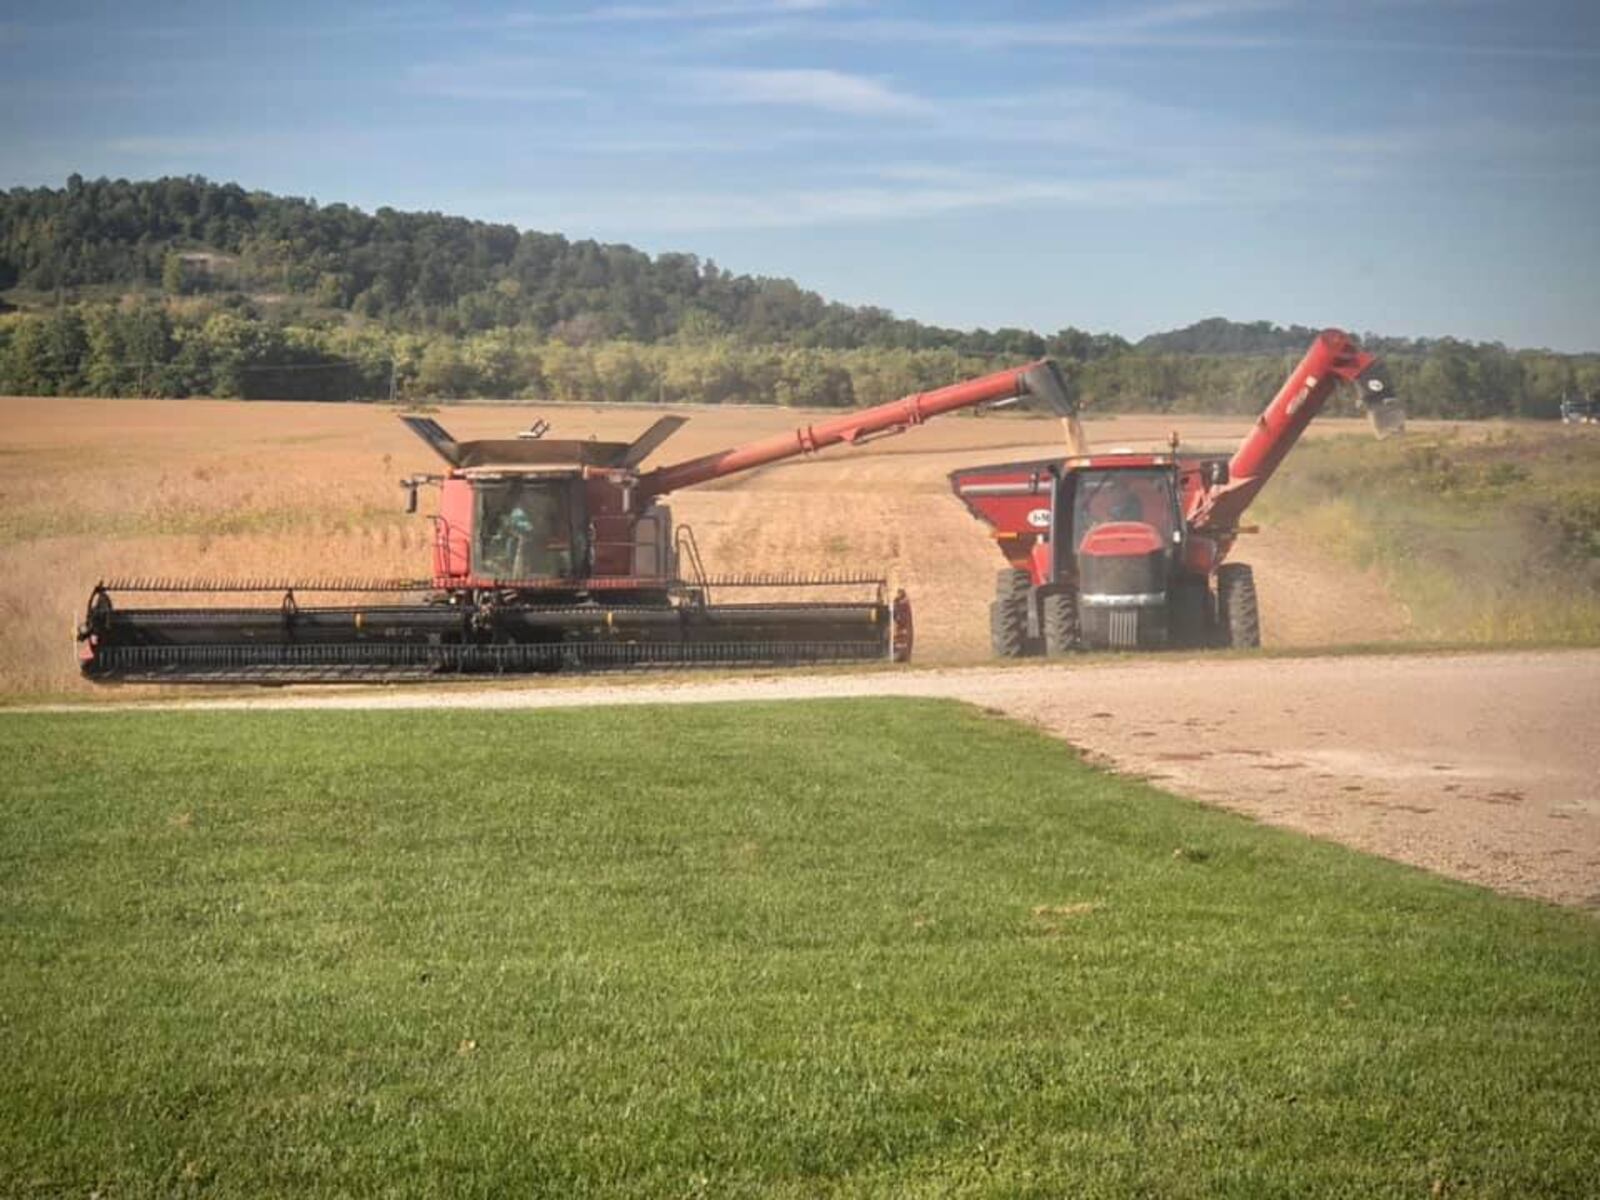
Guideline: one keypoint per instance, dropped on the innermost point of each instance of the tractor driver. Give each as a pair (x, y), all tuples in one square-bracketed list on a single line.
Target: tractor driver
[(1114, 499), (1126, 507)]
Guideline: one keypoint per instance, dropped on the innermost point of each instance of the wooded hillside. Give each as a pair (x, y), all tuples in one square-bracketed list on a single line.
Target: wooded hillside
[(181, 286)]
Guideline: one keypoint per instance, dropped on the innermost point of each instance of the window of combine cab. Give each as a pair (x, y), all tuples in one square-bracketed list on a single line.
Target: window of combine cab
[(526, 530), (1128, 494)]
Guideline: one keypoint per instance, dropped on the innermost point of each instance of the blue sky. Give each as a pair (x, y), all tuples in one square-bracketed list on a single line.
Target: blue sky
[(1420, 167)]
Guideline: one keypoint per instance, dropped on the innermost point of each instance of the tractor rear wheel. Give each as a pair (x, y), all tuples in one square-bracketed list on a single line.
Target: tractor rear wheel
[(1058, 618), (1238, 616), (1008, 613)]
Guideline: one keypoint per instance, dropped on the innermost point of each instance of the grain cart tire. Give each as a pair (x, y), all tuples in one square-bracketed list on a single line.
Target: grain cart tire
[(1008, 613), (1012, 584), (1194, 616), (1058, 618), (1238, 617)]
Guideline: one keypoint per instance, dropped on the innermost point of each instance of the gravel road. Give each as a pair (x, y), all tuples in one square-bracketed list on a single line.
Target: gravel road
[(1485, 767)]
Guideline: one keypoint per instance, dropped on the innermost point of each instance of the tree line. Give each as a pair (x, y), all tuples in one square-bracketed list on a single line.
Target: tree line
[(150, 347), (183, 287)]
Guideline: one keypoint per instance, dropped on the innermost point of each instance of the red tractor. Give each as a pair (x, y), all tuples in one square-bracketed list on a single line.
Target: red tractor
[(548, 554), (1124, 550)]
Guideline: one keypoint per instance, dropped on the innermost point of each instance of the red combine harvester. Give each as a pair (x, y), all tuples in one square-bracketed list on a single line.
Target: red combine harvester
[(1126, 550), (547, 555)]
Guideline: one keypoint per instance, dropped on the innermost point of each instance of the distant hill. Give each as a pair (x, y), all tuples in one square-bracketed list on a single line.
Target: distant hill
[(1217, 335), (184, 287), (427, 271), (1220, 336)]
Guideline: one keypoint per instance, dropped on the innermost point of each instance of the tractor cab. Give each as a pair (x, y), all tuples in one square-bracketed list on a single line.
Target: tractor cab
[(1123, 495), (1120, 542)]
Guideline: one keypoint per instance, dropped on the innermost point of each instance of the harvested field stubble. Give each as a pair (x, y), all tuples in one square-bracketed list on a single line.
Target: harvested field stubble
[(100, 488)]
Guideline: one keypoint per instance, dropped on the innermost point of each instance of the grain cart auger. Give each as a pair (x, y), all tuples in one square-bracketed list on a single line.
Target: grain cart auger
[(547, 555), (1125, 550)]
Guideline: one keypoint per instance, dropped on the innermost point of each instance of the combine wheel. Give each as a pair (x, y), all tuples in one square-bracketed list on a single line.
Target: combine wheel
[(1058, 616), (1008, 613), (1238, 619)]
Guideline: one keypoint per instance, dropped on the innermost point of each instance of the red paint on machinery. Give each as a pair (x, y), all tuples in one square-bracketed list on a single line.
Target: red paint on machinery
[(1124, 550), (548, 554)]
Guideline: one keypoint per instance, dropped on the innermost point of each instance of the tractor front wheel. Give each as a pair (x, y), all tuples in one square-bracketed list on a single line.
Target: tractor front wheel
[(1238, 617), (1058, 618)]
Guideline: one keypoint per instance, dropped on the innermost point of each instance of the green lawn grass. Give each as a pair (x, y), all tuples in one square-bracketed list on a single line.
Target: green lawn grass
[(855, 948)]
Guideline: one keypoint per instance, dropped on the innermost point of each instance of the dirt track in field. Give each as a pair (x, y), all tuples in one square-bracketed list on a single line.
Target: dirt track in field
[(1479, 766)]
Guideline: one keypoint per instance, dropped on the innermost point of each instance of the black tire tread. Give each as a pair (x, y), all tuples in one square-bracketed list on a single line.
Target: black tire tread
[(1008, 613), (1011, 583), (1058, 618), (1238, 613)]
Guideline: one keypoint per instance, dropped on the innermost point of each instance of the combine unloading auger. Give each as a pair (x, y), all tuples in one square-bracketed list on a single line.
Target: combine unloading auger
[(547, 555)]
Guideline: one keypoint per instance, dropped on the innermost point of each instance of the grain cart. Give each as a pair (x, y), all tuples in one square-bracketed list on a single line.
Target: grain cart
[(1127, 550), (548, 554)]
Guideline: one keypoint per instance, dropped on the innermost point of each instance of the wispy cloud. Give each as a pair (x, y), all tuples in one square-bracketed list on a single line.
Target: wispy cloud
[(171, 146), (1456, 49), (706, 9), (490, 78), (828, 90), (1181, 23), (692, 10), (676, 141), (1187, 12), (466, 89), (899, 192), (1174, 25)]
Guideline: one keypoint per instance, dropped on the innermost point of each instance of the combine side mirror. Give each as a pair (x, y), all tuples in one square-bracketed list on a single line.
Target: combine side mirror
[(1216, 473)]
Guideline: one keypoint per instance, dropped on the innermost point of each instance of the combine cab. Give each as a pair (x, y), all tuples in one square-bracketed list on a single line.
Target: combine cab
[(547, 555), (1126, 551)]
